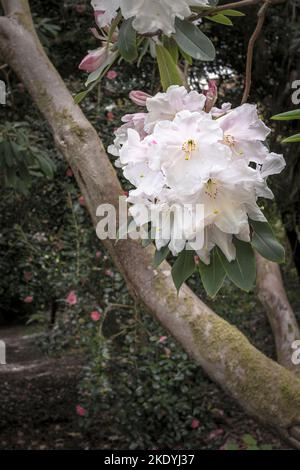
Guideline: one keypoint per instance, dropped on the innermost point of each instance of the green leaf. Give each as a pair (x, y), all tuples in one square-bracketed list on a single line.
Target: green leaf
[(241, 271), (192, 41), (8, 154), (80, 96), (160, 256), (183, 267), (233, 13), (219, 18), (212, 275), (265, 242), (288, 116), (171, 47), (292, 138), (169, 73), (45, 166), (127, 41), (113, 27), (186, 57)]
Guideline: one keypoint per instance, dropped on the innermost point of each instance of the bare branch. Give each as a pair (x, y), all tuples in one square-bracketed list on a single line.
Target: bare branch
[(271, 293), (248, 75)]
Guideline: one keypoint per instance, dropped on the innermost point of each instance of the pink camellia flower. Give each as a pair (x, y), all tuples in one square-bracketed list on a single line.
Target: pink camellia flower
[(80, 410), (162, 339), (27, 276), (111, 75), (139, 97), (95, 315), (211, 95), (93, 60), (195, 423), (108, 273), (71, 298), (81, 201), (28, 299), (69, 172), (110, 116)]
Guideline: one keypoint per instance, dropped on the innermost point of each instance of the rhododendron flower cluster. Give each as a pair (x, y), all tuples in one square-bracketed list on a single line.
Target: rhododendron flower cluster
[(149, 15), (178, 155)]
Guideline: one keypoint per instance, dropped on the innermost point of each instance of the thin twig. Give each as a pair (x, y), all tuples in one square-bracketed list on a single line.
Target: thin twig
[(261, 15), (218, 9)]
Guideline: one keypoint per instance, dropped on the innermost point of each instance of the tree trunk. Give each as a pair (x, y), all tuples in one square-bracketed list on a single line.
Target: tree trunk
[(284, 325), (267, 391)]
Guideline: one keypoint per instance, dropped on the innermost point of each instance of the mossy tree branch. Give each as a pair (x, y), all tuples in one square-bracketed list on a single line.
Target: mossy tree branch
[(267, 391)]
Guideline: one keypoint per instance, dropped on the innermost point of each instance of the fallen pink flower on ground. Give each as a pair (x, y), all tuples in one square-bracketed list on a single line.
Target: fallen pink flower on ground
[(95, 315), (71, 298)]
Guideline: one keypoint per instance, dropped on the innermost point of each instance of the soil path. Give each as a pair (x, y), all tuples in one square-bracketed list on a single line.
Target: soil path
[(37, 396)]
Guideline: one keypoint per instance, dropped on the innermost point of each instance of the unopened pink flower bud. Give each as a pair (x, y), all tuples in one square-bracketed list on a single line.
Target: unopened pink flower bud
[(93, 60), (139, 97), (211, 95)]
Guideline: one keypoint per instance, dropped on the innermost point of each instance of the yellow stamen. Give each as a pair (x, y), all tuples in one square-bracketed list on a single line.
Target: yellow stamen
[(231, 142), (188, 147), (211, 188)]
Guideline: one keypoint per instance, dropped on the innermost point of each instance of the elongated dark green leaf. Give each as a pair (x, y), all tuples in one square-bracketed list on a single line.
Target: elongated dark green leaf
[(127, 41), (172, 48), (192, 41), (212, 275), (242, 270), (292, 138), (233, 13), (186, 57), (221, 19), (8, 154), (80, 96), (265, 242), (288, 116), (183, 267), (45, 166), (160, 255), (169, 73)]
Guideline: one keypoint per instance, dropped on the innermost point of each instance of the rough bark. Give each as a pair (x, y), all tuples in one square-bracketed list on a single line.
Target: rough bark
[(282, 319), (266, 390)]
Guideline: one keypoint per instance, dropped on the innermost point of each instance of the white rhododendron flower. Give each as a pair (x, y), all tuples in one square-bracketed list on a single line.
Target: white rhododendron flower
[(177, 157), (105, 11), (149, 15)]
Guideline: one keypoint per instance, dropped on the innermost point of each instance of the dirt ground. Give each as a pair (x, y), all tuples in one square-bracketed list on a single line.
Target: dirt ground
[(39, 397)]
